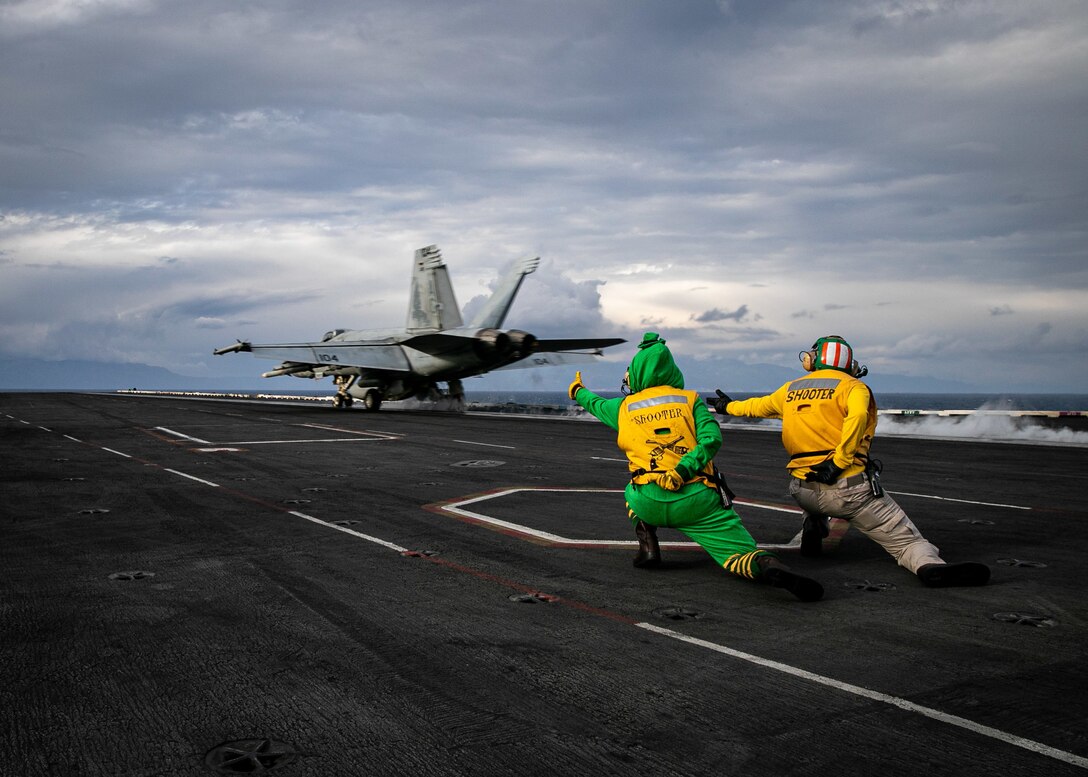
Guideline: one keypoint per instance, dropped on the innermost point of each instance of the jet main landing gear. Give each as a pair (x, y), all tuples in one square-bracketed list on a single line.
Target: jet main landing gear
[(372, 398), (343, 401), (372, 401)]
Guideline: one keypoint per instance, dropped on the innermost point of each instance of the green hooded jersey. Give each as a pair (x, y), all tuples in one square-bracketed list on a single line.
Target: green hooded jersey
[(653, 366)]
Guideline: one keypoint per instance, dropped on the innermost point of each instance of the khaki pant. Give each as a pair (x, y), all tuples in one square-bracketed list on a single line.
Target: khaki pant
[(878, 518)]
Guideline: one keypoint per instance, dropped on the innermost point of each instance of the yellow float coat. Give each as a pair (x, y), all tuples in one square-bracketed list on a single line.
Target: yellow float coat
[(825, 414), (656, 429)]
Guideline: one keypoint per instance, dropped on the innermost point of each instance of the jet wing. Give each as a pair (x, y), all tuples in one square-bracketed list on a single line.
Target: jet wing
[(330, 355), (391, 357), (442, 343), (551, 359), (557, 353), (592, 344)]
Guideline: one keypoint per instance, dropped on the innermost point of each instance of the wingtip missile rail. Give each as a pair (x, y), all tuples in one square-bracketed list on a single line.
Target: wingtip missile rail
[(237, 347)]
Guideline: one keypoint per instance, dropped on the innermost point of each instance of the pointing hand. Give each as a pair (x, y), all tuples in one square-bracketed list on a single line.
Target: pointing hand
[(720, 402), (577, 384)]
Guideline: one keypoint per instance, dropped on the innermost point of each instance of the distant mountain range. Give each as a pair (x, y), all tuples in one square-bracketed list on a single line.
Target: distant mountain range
[(732, 375), (75, 375), (701, 374)]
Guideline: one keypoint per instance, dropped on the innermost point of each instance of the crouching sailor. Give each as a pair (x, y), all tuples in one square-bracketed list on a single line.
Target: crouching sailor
[(828, 421), (670, 439)]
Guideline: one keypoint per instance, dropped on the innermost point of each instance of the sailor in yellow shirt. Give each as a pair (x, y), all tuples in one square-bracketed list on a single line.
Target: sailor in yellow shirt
[(828, 421), (670, 439)]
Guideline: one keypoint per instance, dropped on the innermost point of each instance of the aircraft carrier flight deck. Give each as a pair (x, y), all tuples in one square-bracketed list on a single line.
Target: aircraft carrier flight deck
[(223, 587)]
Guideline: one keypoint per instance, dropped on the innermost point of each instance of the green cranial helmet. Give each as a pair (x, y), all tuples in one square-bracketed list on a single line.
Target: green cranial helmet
[(651, 338), (832, 353)]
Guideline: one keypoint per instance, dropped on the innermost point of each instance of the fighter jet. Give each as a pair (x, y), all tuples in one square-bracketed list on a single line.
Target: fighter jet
[(374, 365)]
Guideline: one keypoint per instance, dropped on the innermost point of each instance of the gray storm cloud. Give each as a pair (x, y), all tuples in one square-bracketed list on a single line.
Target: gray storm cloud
[(899, 172)]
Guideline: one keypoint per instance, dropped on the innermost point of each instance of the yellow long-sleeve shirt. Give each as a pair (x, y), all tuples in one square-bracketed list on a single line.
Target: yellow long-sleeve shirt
[(825, 414)]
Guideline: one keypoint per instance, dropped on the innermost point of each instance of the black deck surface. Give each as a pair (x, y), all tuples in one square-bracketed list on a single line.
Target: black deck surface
[(315, 592)]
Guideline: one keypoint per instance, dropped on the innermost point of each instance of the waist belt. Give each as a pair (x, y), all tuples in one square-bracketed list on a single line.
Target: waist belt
[(853, 480)]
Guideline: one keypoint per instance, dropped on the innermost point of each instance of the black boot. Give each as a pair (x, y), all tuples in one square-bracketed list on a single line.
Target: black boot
[(945, 575), (649, 552), (813, 530), (780, 576)]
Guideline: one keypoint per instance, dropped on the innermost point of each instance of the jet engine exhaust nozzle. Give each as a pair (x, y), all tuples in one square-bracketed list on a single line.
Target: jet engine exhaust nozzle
[(489, 342), (523, 342)]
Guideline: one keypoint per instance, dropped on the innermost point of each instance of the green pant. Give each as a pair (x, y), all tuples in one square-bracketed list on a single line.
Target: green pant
[(697, 511)]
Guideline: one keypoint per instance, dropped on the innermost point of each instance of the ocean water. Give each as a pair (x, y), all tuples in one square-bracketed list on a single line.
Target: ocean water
[(1010, 402), (982, 417), (889, 401)]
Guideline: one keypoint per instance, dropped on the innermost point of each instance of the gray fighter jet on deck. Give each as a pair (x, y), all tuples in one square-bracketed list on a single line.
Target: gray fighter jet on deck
[(378, 364)]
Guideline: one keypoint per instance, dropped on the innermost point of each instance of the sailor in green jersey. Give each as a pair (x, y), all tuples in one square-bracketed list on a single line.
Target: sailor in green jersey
[(670, 440)]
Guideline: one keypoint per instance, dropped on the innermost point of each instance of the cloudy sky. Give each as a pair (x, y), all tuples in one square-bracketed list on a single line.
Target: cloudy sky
[(742, 175)]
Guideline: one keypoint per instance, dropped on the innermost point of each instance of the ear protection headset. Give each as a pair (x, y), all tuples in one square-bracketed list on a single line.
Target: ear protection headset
[(832, 353)]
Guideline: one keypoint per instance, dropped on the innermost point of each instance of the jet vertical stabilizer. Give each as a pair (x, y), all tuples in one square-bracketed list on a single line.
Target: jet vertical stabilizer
[(494, 312), (432, 306)]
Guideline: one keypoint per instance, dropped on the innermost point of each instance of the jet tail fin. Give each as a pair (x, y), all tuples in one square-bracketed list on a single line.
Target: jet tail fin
[(432, 305), (494, 312)]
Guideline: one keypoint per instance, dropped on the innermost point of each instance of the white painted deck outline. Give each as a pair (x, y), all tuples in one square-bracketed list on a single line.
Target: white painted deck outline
[(226, 447), (458, 508)]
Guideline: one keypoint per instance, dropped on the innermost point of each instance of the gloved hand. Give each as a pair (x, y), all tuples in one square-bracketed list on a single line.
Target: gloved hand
[(720, 402), (671, 480), (577, 384), (824, 472)]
